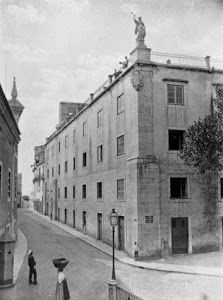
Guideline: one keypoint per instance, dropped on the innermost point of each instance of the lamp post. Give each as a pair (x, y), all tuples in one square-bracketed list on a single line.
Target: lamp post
[(113, 218)]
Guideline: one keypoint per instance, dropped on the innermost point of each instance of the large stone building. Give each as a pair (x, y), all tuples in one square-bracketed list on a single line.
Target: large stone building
[(10, 112), (120, 150)]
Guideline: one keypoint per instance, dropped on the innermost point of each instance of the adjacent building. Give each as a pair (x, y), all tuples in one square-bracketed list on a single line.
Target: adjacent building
[(10, 112), (120, 150), (38, 180)]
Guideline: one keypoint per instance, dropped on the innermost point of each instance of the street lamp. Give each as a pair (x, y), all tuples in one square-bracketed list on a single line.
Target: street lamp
[(113, 218)]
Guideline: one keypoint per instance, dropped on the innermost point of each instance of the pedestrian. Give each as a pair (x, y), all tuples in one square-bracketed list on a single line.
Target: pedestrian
[(62, 291), (136, 251), (32, 268)]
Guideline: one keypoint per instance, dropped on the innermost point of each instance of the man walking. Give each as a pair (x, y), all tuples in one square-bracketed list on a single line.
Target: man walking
[(32, 268)]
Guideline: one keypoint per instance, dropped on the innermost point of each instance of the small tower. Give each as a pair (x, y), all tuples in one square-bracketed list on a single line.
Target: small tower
[(16, 106)]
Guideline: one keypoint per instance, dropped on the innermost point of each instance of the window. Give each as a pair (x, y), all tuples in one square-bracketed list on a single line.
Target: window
[(66, 141), (84, 191), (221, 184), (52, 150), (52, 171), (84, 159), (48, 173), (120, 104), (176, 139), (175, 94), (74, 163), (65, 192), (58, 193), (120, 145), (100, 153), (59, 146), (9, 183), (74, 136), (84, 128), (120, 189), (178, 188), (59, 169), (99, 118), (73, 191), (65, 167), (99, 190), (1, 181)]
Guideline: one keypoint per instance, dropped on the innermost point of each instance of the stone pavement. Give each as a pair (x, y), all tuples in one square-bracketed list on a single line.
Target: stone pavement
[(209, 264)]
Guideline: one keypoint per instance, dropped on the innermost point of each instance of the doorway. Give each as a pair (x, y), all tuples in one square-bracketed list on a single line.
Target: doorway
[(179, 228), (222, 230), (65, 216), (73, 218), (84, 222), (100, 227), (121, 233)]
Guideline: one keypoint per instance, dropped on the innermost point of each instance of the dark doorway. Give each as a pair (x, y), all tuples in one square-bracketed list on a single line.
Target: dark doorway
[(58, 214), (73, 218), (65, 216), (100, 227), (179, 235), (121, 233), (222, 231), (84, 222)]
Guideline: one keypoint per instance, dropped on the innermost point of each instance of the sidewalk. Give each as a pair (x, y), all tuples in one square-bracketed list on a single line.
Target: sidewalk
[(209, 264)]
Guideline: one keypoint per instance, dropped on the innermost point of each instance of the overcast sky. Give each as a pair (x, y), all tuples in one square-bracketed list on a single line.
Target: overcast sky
[(62, 50)]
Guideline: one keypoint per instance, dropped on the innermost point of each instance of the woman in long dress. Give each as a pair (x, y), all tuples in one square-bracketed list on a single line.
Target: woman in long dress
[(62, 292)]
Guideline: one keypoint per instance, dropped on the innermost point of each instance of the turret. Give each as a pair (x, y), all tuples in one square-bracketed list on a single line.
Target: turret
[(16, 106)]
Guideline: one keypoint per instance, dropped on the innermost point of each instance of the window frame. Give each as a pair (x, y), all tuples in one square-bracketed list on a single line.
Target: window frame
[(74, 136), (84, 128), (84, 159), (100, 153), (122, 196), (66, 141), (99, 190), (180, 139), (74, 163), (66, 166), (84, 191), (99, 118), (180, 187), (175, 95), (119, 152), (74, 192), (120, 104)]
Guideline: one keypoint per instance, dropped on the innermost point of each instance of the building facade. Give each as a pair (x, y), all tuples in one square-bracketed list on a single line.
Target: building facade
[(10, 112), (121, 150), (38, 180)]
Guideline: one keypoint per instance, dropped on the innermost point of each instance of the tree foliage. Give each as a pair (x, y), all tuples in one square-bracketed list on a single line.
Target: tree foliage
[(203, 144)]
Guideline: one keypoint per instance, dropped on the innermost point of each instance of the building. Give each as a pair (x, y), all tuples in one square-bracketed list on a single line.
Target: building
[(10, 112), (120, 150), (38, 180)]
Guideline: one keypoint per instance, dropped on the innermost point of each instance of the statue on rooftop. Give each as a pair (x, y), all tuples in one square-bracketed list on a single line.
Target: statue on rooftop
[(140, 28)]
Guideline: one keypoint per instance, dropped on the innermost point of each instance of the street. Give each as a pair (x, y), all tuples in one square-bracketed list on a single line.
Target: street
[(90, 269)]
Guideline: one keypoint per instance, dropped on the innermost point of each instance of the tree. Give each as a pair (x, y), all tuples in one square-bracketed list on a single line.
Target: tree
[(203, 144)]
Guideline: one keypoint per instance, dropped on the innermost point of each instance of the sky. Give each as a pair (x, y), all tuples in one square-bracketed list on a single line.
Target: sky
[(63, 50)]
